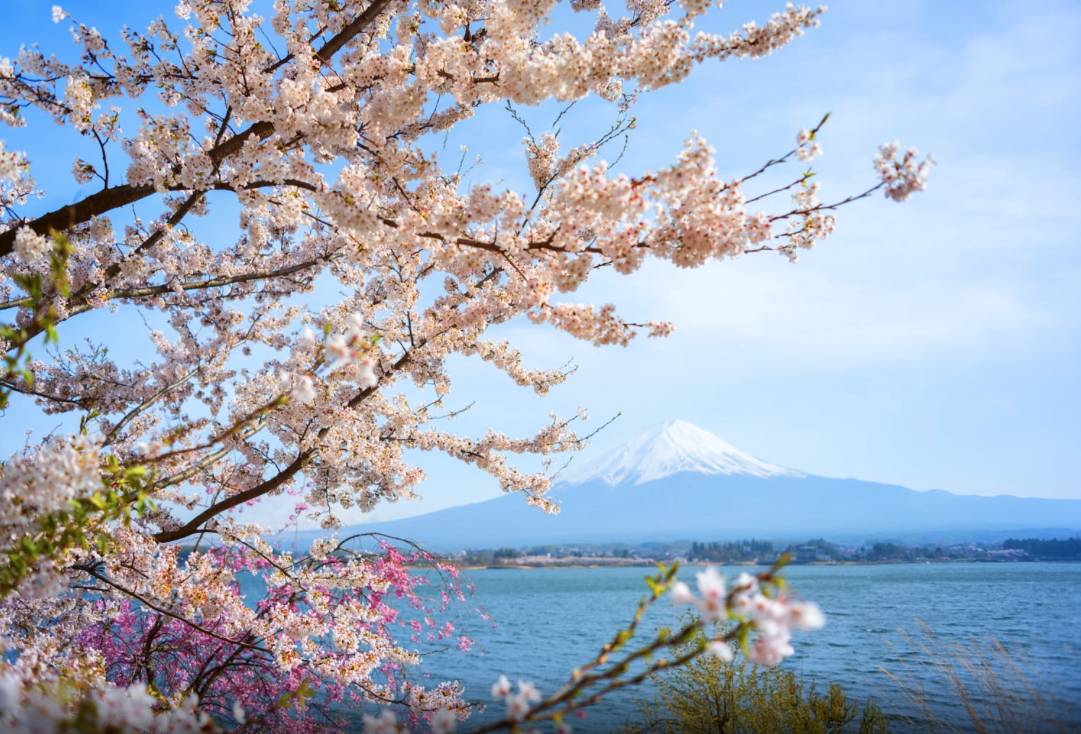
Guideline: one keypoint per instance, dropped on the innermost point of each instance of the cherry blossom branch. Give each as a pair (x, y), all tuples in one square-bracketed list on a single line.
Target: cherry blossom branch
[(162, 610), (748, 607), (102, 202)]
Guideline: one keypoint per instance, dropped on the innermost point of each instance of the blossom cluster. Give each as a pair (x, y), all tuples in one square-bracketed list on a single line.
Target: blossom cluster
[(517, 702), (902, 176), (39, 483), (30, 709), (441, 721), (807, 148), (355, 349), (772, 617), (16, 184)]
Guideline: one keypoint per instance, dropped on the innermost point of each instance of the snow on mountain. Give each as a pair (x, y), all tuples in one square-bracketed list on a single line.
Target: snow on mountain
[(673, 448)]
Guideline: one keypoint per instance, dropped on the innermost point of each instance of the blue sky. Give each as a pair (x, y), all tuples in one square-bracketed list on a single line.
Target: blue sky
[(934, 344)]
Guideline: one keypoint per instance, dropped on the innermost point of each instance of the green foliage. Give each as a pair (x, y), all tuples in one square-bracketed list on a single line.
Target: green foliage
[(290, 698), (83, 524), (708, 696)]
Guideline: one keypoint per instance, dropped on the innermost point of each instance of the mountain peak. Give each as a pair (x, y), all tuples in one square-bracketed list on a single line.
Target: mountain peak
[(671, 448)]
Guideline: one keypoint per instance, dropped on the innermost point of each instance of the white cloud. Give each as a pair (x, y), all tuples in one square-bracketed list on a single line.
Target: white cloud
[(832, 322)]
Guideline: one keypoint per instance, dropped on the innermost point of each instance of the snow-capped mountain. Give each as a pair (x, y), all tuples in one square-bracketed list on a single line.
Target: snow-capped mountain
[(671, 448), (680, 482)]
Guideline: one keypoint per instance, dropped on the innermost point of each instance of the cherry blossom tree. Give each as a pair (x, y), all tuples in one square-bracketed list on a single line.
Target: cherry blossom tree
[(315, 130)]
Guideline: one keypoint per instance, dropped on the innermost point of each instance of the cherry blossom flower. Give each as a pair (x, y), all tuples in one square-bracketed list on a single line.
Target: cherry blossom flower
[(304, 390), (905, 175), (444, 721), (712, 602), (519, 703), (501, 688), (385, 723), (721, 650)]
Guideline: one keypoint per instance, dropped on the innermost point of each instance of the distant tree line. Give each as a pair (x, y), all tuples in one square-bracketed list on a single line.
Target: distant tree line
[(732, 552), (1051, 550)]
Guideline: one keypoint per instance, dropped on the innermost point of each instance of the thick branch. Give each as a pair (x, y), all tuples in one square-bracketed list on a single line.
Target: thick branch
[(303, 459), (168, 613), (192, 526), (112, 198), (81, 211), (351, 31), (217, 282)]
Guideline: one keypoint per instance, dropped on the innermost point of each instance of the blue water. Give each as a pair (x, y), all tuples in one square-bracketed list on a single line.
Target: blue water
[(544, 622)]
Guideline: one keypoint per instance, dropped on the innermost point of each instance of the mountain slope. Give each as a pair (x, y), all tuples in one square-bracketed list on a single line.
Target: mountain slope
[(672, 448), (678, 481)]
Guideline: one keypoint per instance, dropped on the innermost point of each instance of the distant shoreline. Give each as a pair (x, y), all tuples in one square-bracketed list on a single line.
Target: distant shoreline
[(751, 552), (651, 563)]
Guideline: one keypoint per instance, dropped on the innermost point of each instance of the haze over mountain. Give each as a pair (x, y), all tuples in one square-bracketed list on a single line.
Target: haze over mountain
[(677, 481)]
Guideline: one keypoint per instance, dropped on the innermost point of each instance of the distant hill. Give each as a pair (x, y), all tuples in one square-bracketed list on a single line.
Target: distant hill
[(678, 481)]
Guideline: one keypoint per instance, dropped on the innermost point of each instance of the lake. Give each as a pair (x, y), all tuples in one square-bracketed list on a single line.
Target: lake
[(544, 622)]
